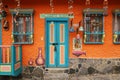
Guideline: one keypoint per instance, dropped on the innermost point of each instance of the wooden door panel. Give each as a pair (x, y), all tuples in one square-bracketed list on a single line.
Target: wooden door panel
[(57, 43)]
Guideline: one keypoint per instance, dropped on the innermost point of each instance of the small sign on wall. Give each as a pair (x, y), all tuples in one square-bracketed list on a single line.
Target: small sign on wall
[(56, 16), (77, 44)]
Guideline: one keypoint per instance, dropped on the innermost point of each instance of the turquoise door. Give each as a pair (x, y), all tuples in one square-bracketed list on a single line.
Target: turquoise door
[(0, 33), (57, 42)]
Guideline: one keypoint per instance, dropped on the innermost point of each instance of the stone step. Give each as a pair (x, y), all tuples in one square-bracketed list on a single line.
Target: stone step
[(55, 75), (56, 70)]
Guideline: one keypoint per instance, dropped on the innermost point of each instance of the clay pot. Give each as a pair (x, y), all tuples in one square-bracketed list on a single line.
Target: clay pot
[(39, 60)]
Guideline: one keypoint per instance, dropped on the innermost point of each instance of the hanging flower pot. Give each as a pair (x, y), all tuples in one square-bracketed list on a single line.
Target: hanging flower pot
[(39, 60)]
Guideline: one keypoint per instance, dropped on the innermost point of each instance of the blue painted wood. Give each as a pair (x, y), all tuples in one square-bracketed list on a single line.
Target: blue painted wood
[(18, 32), (0, 41), (0, 33), (48, 43), (64, 44), (116, 14), (87, 30), (57, 22), (13, 62), (13, 58)]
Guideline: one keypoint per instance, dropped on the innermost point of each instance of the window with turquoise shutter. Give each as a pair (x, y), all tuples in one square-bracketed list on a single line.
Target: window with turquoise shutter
[(22, 30), (116, 26), (93, 26)]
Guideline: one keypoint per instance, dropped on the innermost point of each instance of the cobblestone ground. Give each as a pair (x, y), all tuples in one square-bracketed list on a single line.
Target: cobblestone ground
[(87, 77)]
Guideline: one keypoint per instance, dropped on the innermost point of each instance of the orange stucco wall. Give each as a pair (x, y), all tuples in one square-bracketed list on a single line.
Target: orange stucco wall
[(107, 50)]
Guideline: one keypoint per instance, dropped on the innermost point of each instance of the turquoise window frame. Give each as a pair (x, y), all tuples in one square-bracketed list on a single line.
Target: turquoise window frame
[(88, 34), (16, 34), (116, 26)]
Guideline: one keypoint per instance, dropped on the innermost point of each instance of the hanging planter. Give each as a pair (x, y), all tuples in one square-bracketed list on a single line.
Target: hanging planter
[(105, 7)]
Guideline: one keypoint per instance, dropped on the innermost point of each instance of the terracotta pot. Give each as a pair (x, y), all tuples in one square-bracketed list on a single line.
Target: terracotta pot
[(30, 62)]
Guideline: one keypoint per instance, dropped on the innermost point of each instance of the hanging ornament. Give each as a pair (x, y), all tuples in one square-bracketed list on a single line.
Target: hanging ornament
[(80, 26), (18, 3), (17, 7), (87, 2), (2, 10), (1, 6), (70, 7), (105, 7), (78, 36), (3, 13), (71, 26), (17, 10), (105, 2), (51, 6)]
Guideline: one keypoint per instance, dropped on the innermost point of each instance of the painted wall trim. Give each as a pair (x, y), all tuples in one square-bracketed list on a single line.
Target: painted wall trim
[(97, 11), (116, 11), (56, 16), (22, 11)]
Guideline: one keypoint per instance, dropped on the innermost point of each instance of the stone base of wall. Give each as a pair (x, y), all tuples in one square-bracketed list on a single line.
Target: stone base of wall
[(79, 69), (96, 66)]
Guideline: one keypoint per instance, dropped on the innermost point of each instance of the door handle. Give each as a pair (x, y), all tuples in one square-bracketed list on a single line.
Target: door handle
[(55, 49), (54, 44)]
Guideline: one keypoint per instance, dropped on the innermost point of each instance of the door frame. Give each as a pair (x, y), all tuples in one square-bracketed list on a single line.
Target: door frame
[(0, 32), (46, 41), (0, 39)]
